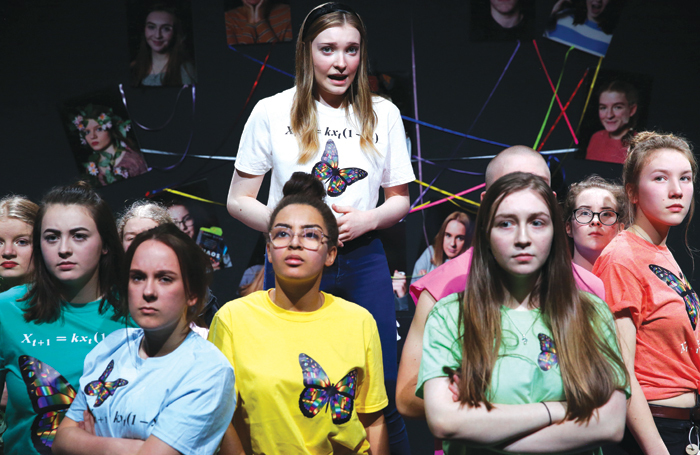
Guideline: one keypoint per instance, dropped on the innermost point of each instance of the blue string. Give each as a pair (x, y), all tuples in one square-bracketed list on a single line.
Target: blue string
[(510, 60), (459, 171), (456, 133), (261, 62)]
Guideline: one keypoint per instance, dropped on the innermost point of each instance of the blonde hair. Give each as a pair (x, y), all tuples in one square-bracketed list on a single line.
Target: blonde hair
[(304, 116), (143, 209), (642, 147), (18, 207)]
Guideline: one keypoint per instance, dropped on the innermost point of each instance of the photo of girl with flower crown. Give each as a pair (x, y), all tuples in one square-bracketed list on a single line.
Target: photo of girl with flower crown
[(103, 142)]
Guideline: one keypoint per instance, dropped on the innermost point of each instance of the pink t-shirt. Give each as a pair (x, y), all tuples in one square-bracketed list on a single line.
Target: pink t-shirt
[(451, 277), (643, 282), (604, 148)]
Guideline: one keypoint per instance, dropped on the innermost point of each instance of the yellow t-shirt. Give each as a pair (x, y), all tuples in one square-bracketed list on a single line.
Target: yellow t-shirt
[(283, 359)]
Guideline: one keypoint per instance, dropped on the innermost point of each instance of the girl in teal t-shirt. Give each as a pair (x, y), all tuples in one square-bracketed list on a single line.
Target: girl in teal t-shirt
[(48, 326), (522, 361)]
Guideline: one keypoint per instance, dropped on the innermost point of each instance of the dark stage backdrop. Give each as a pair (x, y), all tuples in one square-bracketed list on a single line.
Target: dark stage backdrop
[(53, 50)]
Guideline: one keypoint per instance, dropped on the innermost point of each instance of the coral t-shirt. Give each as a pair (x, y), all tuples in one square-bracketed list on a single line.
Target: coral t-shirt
[(604, 148), (451, 277), (643, 282)]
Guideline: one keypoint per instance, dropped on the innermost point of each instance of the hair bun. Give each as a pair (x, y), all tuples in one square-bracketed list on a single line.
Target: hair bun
[(304, 184)]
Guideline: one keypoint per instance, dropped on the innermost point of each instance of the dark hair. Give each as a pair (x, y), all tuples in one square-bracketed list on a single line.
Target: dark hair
[(590, 369), (195, 267), (177, 54), (45, 295), (305, 189)]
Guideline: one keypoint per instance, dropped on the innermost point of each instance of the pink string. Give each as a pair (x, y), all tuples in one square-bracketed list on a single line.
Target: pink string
[(566, 117), (432, 204)]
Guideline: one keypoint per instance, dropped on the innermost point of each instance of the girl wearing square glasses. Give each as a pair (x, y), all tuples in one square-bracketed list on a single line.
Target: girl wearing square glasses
[(309, 375), (594, 211)]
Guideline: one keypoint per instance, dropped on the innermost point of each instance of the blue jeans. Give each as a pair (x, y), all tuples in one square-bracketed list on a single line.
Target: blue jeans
[(361, 275)]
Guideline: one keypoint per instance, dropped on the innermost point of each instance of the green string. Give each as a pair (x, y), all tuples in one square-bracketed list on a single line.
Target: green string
[(551, 103)]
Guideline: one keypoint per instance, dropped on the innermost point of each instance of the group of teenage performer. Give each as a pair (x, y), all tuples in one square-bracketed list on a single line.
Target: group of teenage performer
[(551, 333)]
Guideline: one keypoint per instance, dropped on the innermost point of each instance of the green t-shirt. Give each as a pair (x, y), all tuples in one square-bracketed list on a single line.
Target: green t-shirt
[(525, 371), (42, 365)]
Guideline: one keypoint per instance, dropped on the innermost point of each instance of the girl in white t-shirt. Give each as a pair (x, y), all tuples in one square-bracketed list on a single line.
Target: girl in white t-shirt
[(330, 125)]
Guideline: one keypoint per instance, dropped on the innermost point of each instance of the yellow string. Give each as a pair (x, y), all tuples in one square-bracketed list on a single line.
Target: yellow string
[(588, 98), (191, 196), (446, 193)]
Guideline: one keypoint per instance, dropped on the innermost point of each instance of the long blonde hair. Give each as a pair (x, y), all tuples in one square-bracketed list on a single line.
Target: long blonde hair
[(303, 113)]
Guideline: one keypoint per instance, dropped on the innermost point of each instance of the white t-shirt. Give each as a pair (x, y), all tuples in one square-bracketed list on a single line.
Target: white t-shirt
[(268, 143), (186, 398)]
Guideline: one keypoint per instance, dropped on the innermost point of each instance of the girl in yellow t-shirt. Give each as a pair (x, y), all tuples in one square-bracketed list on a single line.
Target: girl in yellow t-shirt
[(309, 375)]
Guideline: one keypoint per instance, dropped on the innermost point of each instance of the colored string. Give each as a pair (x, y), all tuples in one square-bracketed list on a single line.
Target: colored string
[(459, 171), (415, 103), (446, 193), (192, 196), (172, 115), (566, 106), (467, 136), (456, 133), (549, 79), (432, 204), (590, 90), (262, 63), (189, 142), (551, 102)]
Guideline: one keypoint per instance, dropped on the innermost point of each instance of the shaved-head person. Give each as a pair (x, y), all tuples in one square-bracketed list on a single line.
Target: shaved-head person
[(452, 276)]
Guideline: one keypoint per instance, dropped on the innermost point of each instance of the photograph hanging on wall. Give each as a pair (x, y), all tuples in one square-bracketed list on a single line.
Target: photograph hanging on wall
[(617, 109), (502, 20), (160, 43), (587, 25), (257, 21), (197, 218), (102, 138)]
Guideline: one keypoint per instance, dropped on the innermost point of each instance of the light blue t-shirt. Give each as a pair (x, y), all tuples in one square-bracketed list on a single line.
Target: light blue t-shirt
[(186, 398)]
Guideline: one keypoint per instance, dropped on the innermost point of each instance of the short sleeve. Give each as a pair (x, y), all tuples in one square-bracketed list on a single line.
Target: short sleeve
[(623, 292), (197, 413), (255, 149), (398, 169), (441, 347), (75, 412), (220, 336), (608, 332), (371, 393)]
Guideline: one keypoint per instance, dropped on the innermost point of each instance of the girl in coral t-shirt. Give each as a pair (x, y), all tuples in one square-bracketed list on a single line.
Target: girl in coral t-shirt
[(655, 308)]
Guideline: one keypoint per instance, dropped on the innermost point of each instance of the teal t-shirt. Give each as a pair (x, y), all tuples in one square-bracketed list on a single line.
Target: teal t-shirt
[(526, 371), (42, 365)]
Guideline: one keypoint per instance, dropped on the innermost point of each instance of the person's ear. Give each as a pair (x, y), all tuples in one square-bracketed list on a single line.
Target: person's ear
[(330, 256), (482, 195), (620, 227), (569, 232), (633, 110)]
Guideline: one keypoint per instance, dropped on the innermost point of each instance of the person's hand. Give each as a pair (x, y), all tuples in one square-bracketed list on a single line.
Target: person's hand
[(88, 423), (255, 10), (398, 282), (560, 5), (353, 223)]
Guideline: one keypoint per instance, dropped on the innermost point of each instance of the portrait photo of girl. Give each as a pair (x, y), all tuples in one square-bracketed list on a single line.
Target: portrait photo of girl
[(162, 51), (102, 139)]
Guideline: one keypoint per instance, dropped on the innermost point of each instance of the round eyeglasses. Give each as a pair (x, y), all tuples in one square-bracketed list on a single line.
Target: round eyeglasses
[(310, 238), (606, 217)]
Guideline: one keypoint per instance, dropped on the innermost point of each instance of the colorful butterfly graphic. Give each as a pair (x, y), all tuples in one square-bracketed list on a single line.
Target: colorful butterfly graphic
[(318, 391), (682, 288), (327, 169), (102, 388), (548, 357), (51, 396)]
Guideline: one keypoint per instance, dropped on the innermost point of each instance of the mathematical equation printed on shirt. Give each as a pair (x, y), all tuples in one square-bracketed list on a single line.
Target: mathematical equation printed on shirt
[(33, 340), (694, 346)]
